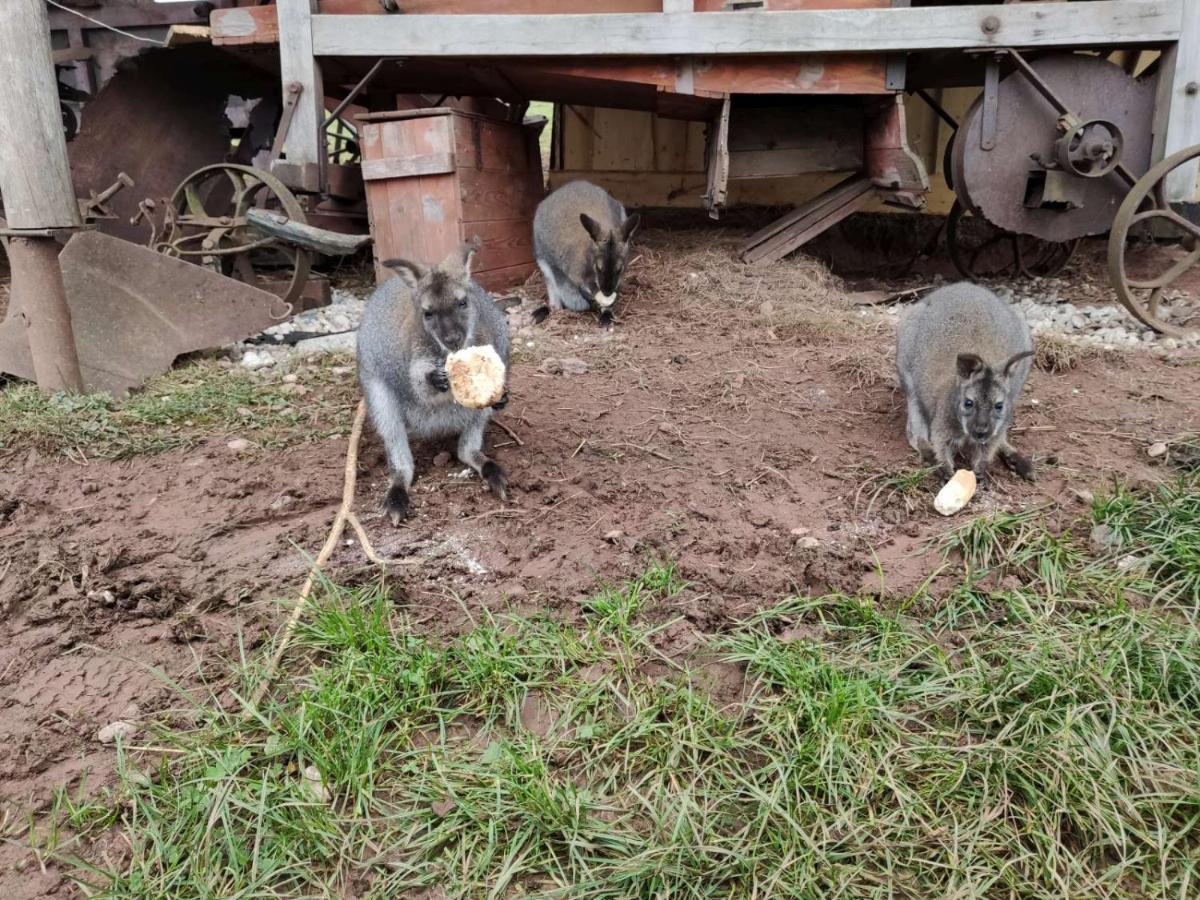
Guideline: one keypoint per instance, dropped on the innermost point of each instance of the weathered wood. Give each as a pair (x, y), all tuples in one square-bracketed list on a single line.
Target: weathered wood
[(809, 220), (35, 178), (1177, 105), (36, 183), (303, 235), (1101, 24), (405, 167), (718, 163), (304, 143)]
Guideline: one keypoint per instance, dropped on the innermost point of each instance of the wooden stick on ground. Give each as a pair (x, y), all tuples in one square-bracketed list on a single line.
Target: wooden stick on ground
[(344, 515)]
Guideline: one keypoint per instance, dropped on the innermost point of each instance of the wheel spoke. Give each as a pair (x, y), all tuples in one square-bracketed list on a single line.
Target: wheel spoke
[(1167, 278), (1171, 216)]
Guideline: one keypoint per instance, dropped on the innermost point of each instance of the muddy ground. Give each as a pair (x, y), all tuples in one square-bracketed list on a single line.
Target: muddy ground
[(739, 423)]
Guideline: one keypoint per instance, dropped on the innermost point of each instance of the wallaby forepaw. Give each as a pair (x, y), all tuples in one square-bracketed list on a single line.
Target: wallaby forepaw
[(395, 504), (502, 402), (606, 319), (439, 379), (540, 314), (497, 481)]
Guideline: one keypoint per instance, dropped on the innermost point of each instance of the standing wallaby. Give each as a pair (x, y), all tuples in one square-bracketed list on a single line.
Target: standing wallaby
[(963, 356), (581, 243), (410, 325)]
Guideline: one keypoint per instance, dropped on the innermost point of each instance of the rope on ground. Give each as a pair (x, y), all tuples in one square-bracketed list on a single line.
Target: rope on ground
[(344, 515)]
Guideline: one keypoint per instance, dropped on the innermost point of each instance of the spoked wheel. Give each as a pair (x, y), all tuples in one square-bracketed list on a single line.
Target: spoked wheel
[(206, 224), (979, 249), (1148, 272)]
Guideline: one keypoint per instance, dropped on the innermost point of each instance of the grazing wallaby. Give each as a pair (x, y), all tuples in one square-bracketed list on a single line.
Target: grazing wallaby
[(581, 243), (410, 325), (963, 356)]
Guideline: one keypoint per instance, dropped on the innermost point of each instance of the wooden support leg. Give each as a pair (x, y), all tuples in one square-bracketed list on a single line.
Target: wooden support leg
[(39, 298)]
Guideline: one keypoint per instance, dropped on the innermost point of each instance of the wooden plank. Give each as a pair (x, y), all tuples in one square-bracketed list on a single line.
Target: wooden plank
[(406, 167), (35, 178), (1096, 24), (483, 144), (504, 243), (489, 195), (822, 157), (839, 193), (505, 278), (304, 143), (683, 190), (825, 74), (1177, 106), (810, 220)]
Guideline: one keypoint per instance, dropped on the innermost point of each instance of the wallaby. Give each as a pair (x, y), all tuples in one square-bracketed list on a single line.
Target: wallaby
[(581, 243), (410, 325), (963, 356)]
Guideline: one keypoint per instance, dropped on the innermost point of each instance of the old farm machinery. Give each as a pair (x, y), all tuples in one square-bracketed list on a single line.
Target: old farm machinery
[(1059, 149)]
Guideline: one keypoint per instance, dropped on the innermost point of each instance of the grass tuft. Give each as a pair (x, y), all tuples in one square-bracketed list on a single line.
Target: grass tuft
[(177, 410)]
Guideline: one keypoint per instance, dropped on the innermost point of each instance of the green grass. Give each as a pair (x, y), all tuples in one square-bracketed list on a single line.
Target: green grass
[(1033, 732), (178, 409)]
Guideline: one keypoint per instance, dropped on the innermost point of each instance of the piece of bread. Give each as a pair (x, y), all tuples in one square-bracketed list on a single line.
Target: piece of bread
[(955, 493), (476, 376)]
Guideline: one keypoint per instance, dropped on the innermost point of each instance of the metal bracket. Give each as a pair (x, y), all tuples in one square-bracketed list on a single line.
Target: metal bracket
[(291, 96), (991, 103)]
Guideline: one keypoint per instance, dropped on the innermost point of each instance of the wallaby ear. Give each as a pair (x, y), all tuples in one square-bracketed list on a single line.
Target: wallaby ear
[(969, 364), (630, 226), (1016, 359), (469, 249), (592, 226), (408, 271)]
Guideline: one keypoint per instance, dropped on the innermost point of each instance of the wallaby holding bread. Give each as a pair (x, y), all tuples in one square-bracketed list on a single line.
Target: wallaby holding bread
[(581, 241), (963, 356), (412, 322)]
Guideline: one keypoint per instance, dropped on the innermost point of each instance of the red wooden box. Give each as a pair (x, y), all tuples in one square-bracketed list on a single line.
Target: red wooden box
[(438, 177)]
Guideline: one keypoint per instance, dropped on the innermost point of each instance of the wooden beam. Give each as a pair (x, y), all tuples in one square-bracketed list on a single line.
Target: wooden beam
[(304, 143), (1093, 24), (36, 182), (1177, 105)]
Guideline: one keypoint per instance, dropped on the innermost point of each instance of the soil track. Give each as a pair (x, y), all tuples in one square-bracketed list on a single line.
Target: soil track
[(733, 422)]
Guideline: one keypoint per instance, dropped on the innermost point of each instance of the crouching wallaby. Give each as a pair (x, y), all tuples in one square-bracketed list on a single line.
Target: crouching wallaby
[(410, 325), (581, 243), (963, 356)]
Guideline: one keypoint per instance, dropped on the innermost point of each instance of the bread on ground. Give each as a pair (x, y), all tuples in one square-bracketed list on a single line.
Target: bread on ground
[(476, 376), (955, 493)]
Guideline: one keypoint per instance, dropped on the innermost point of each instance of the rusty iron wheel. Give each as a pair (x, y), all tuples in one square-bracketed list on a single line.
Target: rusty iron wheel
[(206, 224), (979, 249), (1145, 206)]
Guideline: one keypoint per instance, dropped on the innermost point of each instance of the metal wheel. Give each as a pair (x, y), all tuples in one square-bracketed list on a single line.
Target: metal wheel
[(206, 224), (1136, 268), (979, 249)]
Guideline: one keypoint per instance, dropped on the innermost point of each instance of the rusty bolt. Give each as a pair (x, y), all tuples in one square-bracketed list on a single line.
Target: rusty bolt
[(1192, 88), (991, 25)]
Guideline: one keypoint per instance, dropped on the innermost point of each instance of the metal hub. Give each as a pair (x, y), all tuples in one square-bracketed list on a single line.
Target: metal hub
[(1090, 150)]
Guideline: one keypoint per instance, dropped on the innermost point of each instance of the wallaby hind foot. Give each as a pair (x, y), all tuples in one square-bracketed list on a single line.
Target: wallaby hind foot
[(395, 504), (495, 478), (1020, 464)]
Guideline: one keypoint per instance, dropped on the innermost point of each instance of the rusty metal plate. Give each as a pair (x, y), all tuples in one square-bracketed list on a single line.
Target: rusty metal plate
[(134, 311), (993, 183)]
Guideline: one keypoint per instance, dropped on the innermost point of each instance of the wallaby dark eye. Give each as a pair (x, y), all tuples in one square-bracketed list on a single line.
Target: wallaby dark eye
[(462, 304), (428, 313), (969, 403), (999, 406)]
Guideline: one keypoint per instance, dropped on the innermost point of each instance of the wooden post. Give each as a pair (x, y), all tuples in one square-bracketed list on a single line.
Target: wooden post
[(36, 182), (1177, 105), (304, 145)]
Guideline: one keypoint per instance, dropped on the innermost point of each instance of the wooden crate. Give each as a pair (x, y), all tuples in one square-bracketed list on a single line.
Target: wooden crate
[(438, 177)]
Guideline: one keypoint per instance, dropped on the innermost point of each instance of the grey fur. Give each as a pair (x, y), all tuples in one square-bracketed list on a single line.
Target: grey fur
[(401, 365), (579, 260), (959, 353)]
